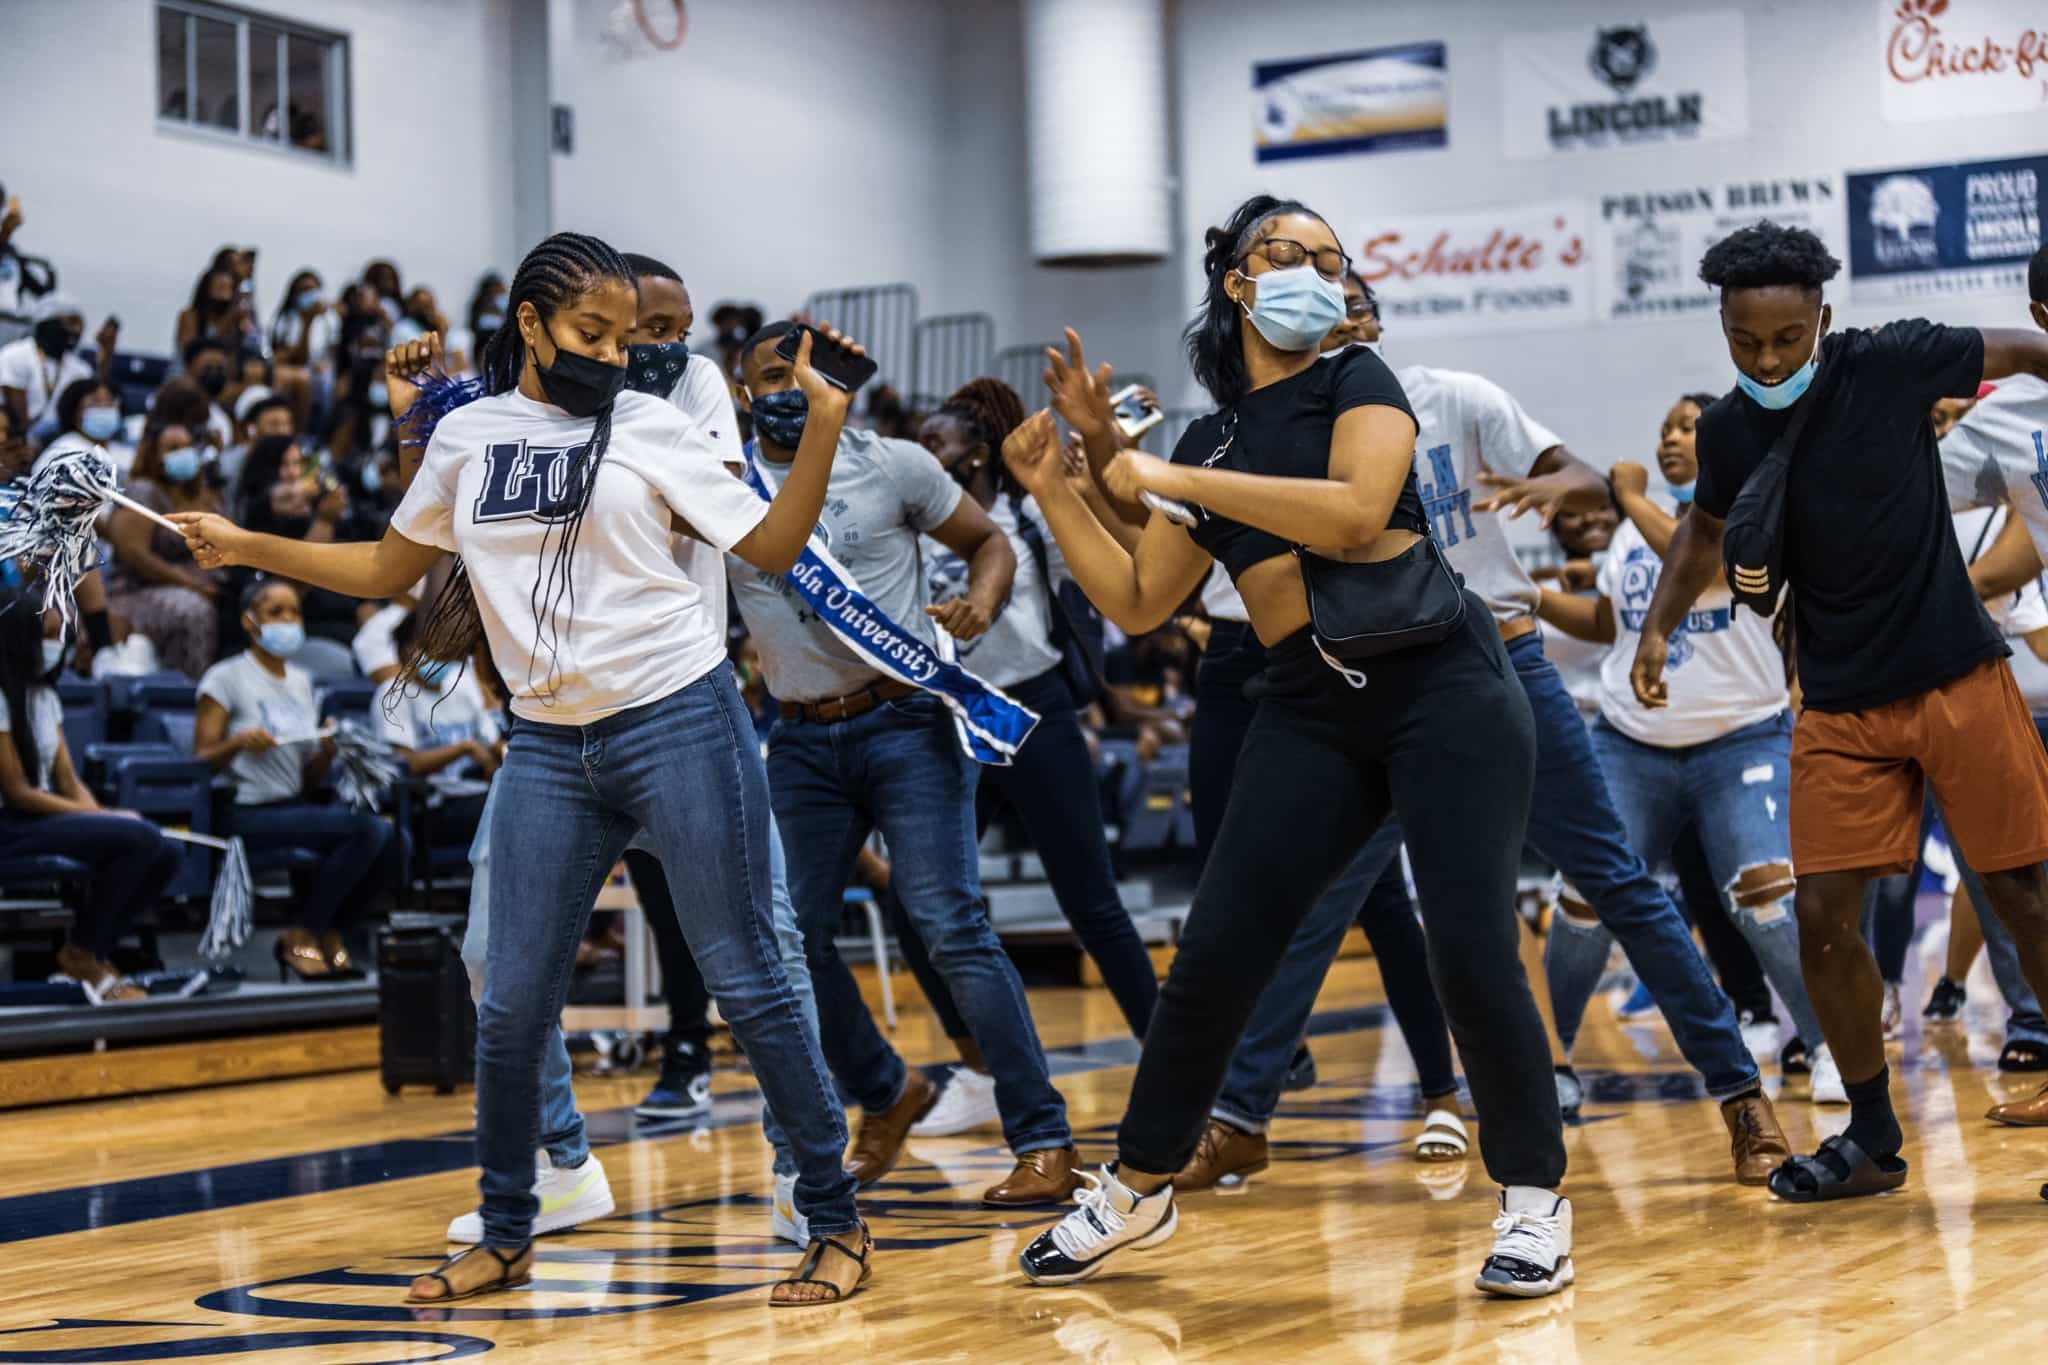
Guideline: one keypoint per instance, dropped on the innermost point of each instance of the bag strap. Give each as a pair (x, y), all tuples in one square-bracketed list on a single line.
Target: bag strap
[(1788, 439), (1059, 629)]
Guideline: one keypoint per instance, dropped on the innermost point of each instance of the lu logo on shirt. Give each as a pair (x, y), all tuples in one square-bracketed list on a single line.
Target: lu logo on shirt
[(529, 481)]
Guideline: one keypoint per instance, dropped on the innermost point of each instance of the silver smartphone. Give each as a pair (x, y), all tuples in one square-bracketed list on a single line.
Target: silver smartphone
[(1135, 413)]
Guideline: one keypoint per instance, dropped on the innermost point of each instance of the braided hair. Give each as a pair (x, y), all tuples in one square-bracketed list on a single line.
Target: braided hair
[(554, 274), (1214, 352), (989, 410)]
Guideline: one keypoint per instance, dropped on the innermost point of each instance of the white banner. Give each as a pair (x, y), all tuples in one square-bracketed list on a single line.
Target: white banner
[(1954, 58), (1510, 268), (1648, 243), (1681, 79)]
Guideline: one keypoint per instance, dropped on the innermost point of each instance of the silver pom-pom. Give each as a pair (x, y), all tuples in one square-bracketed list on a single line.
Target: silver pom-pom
[(364, 766)]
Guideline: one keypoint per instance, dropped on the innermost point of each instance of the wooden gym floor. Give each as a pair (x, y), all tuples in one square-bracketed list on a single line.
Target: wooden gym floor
[(282, 1220)]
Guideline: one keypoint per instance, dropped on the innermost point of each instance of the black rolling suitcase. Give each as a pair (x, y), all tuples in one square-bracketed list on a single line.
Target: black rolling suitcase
[(426, 1022)]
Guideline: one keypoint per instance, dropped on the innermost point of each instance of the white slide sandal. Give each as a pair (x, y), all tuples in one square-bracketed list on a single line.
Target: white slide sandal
[(1443, 1137)]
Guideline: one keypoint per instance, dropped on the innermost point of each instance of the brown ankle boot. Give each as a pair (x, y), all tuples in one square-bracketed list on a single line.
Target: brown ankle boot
[(1223, 1154), (1754, 1138), (1047, 1176), (880, 1141)]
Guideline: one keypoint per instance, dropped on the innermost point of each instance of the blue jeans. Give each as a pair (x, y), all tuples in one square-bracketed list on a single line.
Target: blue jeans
[(1736, 792), (899, 769), (1253, 1085), (361, 854), (1574, 825), (572, 796)]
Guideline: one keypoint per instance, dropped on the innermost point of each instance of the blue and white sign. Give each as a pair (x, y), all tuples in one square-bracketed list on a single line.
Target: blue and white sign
[(1966, 228), (1380, 100)]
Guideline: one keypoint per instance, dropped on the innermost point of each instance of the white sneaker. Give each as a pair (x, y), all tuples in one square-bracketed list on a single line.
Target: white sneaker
[(968, 1102), (787, 1224), (567, 1197), (1762, 1037), (1109, 1217), (1532, 1245), (1894, 1016), (1827, 1078)]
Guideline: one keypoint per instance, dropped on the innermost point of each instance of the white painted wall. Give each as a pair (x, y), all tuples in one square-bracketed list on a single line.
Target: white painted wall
[(131, 215), (1814, 106)]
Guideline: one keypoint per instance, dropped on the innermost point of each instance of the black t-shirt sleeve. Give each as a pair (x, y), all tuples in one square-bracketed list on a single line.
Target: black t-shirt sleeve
[(1922, 361), (1359, 378), (1714, 487)]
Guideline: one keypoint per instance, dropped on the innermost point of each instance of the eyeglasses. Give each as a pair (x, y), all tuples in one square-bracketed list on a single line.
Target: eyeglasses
[(1284, 253), (1360, 309)]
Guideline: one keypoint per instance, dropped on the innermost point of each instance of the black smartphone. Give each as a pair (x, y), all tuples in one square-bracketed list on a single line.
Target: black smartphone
[(834, 363)]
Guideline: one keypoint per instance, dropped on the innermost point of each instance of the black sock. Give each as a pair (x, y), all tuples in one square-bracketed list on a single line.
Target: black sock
[(1872, 1125)]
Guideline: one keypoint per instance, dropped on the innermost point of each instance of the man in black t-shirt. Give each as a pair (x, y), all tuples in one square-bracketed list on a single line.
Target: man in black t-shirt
[(1904, 676)]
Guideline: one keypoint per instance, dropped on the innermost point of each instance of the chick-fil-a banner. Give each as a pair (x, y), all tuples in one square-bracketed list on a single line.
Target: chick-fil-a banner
[(1511, 268), (1955, 58)]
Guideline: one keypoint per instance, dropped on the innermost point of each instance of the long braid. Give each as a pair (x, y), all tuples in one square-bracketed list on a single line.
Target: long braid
[(558, 271), (990, 410)]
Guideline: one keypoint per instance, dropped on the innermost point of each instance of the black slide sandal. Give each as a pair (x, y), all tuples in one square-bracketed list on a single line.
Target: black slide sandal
[(2023, 1056), (1839, 1170)]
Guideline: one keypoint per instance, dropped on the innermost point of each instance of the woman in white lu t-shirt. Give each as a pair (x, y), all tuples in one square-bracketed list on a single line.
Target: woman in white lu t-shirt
[(560, 493), (1719, 756)]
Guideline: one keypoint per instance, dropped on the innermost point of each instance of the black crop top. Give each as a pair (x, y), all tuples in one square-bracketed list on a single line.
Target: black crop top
[(1284, 430)]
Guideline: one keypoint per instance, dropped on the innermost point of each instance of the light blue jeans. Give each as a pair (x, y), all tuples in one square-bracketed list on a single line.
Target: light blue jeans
[(1737, 792), (687, 770), (561, 1123)]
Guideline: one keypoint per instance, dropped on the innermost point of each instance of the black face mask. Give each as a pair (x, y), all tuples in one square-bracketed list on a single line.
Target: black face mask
[(213, 379), (577, 384), (54, 339)]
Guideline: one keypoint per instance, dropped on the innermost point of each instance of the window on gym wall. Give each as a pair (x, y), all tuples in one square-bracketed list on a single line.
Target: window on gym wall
[(252, 77)]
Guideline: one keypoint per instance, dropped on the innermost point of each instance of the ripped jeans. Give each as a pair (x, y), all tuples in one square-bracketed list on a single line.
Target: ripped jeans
[(1736, 791)]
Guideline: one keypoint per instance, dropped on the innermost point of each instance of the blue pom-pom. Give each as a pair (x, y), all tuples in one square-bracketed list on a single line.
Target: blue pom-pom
[(439, 395)]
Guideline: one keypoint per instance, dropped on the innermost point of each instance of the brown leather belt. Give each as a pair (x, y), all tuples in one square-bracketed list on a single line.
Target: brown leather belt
[(1517, 628), (834, 709)]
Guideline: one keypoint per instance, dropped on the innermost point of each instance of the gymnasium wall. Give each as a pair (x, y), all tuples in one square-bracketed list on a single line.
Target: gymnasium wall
[(131, 213), (1815, 74)]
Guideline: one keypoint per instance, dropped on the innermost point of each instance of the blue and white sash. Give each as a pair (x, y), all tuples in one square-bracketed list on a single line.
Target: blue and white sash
[(990, 724)]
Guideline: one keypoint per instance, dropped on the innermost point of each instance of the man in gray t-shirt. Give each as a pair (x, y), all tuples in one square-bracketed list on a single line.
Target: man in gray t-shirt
[(853, 752)]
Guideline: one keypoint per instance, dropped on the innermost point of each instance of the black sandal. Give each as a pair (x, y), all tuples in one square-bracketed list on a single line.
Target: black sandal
[(807, 1271), (2023, 1056), (1839, 1170), (511, 1275)]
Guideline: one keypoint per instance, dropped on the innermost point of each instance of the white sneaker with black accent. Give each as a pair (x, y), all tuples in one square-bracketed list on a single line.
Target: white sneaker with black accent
[(968, 1102), (1827, 1078), (567, 1196), (1109, 1216), (787, 1224), (1761, 1036), (1532, 1245)]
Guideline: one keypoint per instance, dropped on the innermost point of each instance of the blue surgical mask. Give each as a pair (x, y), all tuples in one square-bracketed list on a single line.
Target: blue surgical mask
[(373, 477), (281, 639), (379, 395), (99, 424), (1681, 493), (489, 322), (1295, 308), (779, 417), (305, 299), (431, 671), (182, 466), (53, 655), (1786, 391)]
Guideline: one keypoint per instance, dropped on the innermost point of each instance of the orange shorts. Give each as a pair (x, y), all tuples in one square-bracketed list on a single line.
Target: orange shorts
[(1858, 779)]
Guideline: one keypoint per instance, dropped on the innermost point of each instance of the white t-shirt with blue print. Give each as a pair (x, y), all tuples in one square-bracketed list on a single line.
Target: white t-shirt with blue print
[(1724, 671), (1999, 451)]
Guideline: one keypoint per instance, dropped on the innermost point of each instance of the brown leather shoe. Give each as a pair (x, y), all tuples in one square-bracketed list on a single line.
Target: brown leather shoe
[(880, 1141), (1224, 1153), (2031, 1113), (1754, 1138), (1049, 1175)]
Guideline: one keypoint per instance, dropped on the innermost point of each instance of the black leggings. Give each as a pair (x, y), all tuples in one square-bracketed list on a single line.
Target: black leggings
[(1223, 717), (1441, 736), (1051, 784), (682, 985)]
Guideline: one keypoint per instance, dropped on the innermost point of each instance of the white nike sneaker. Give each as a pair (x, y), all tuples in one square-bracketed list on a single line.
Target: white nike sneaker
[(567, 1197), (1109, 1217), (784, 1221), (1532, 1245), (1762, 1037), (1827, 1078), (968, 1102)]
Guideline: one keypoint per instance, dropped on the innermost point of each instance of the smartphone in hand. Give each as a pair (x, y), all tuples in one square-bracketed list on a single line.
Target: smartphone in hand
[(1135, 412), (836, 365)]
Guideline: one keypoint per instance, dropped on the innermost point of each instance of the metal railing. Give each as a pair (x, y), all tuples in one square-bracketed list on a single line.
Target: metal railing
[(947, 351), (882, 317)]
